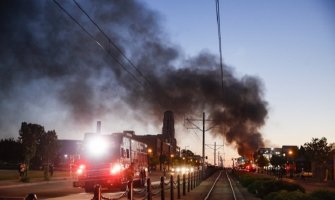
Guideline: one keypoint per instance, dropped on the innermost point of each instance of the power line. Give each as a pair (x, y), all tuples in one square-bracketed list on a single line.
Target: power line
[(92, 37), (219, 35), (111, 42)]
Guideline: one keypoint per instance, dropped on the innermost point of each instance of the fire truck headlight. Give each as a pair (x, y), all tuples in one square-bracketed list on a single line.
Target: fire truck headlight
[(81, 169), (97, 146), (115, 169)]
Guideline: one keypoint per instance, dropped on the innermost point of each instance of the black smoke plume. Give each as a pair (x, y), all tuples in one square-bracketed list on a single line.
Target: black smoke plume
[(48, 60)]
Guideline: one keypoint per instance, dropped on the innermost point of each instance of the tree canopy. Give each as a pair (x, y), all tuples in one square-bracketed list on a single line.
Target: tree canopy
[(317, 150), (277, 160), (30, 137), (10, 151), (38, 146), (262, 161)]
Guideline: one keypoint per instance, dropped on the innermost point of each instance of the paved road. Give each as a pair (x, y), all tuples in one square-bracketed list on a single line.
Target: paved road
[(56, 188), (45, 189)]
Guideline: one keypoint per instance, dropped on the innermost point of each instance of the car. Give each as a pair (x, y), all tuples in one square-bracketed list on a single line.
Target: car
[(305, 174), (182, 170)]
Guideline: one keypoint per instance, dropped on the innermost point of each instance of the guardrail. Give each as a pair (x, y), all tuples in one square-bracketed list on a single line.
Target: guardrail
[(189, 182)]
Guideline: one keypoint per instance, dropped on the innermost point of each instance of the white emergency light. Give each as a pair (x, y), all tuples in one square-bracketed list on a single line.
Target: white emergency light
[(97, 146)]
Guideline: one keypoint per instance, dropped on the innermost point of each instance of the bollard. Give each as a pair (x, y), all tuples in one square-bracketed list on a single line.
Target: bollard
[(184, 185), (199, 181), (199, 178), (31, 196), (149, 189), (191, 180), (188, 182), (171, 188), (130, 190), (195, 179), (178, 185), (97, 192), (162, 188)]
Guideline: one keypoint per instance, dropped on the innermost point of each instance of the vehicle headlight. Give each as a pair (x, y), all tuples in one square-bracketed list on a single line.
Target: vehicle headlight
[(81, 169), (97, 146), (115, 169)]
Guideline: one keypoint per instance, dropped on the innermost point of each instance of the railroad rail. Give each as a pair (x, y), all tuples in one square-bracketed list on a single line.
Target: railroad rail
[(224, 188)]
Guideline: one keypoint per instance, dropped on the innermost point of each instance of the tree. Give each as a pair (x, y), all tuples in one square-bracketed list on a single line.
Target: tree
[(49, 146), (262, 161), (10, 151), (317, 151), (277, 160), (29, 136), (187, 153), (47, 150), (303, 162)]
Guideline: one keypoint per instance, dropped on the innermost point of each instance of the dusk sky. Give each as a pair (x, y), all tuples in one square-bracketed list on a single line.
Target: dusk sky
[(289, 45), (279, 56)]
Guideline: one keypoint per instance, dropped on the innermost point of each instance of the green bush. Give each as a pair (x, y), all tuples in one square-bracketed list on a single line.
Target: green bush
[(246, 180), (257, 187), (323, 195), (283, 185), (298, 195), (263, 187), (284, 195)]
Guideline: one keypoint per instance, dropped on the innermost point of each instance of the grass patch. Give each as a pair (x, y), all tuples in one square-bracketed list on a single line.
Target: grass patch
[(33, 174)]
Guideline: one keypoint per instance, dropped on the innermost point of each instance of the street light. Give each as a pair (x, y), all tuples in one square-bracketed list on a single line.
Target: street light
[(149, 158), (291, 162), (149, 151)]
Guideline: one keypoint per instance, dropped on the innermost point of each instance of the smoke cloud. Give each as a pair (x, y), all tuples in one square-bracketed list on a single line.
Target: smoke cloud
[(49, 62)]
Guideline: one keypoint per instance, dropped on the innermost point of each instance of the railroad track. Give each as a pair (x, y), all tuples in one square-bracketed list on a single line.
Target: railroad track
[(224, 187)]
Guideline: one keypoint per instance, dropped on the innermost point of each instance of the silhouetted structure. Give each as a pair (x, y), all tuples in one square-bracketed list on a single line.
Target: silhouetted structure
[(168, 132), (163, 146), (168, 125)]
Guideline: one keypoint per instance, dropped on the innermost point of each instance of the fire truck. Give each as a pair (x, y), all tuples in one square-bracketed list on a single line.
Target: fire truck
[(111, 161)]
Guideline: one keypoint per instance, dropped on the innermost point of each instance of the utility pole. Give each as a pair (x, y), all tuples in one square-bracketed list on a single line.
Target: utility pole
[(215, 154), (216, 147), (220, 161), (203, 141), (203, 129)]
